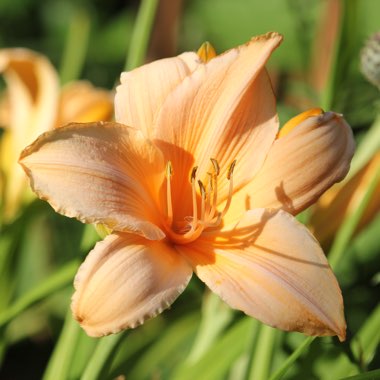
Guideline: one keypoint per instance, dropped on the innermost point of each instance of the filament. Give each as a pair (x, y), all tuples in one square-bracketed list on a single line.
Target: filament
[(209, 216)]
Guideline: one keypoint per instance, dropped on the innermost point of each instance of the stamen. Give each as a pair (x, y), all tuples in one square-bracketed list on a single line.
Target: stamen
[(169, 174), (210, 188), (203, 199), (218, 219), (209, 183), (209, 215)]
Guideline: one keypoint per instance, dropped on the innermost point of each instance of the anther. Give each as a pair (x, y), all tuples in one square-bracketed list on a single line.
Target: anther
[(169, 169), (202, 188), (229, 198), (193, 173), (215, 165)]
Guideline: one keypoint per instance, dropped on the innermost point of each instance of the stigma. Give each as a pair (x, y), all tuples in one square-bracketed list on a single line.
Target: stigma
[(205, 213)]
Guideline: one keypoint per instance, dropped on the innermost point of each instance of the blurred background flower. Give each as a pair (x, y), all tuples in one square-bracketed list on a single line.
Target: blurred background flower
[(32, 104)]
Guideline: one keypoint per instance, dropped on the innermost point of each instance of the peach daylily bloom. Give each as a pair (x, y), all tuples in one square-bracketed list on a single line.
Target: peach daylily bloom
[(193, 179), (33, 104)]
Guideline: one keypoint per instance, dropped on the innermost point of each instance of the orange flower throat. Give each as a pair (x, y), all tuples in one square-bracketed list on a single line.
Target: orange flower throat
[(209, 216)]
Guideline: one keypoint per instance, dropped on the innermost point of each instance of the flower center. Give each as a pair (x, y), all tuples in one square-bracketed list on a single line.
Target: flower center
[(209, 216)]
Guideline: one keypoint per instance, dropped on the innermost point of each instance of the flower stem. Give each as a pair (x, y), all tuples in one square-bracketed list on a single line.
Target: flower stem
[(292, 358), (141, 34)]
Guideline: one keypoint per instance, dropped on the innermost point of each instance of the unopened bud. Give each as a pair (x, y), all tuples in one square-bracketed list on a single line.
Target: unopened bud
[(206, 52)]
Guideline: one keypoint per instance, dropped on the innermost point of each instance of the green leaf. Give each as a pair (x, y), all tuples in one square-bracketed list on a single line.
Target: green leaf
[(100, 360), (372, 375), (368, 146), (367, 340), (263, 355), (63, 355), (216, 362), (141, 33), (167, 350), (348, 227), (74, 54), (280, 372), (56, 281), (216, 314)]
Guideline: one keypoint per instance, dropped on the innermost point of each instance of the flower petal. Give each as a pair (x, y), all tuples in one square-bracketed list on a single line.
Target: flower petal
[(81, 102), (299, 167), (271, 267), (137, 106), (126, 280), (99, 173), (225, 110)]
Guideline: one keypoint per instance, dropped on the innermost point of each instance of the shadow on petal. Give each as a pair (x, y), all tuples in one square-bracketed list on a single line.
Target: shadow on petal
[(271, 267)]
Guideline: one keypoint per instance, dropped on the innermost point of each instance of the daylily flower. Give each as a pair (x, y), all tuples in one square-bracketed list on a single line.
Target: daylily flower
[(34, 104), (193, 179)]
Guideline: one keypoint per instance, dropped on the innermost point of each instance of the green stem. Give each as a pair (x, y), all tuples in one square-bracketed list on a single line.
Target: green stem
[(99, 360), (60, 362), (75, 50), (292, 358), (141, 34), (55, 282)]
